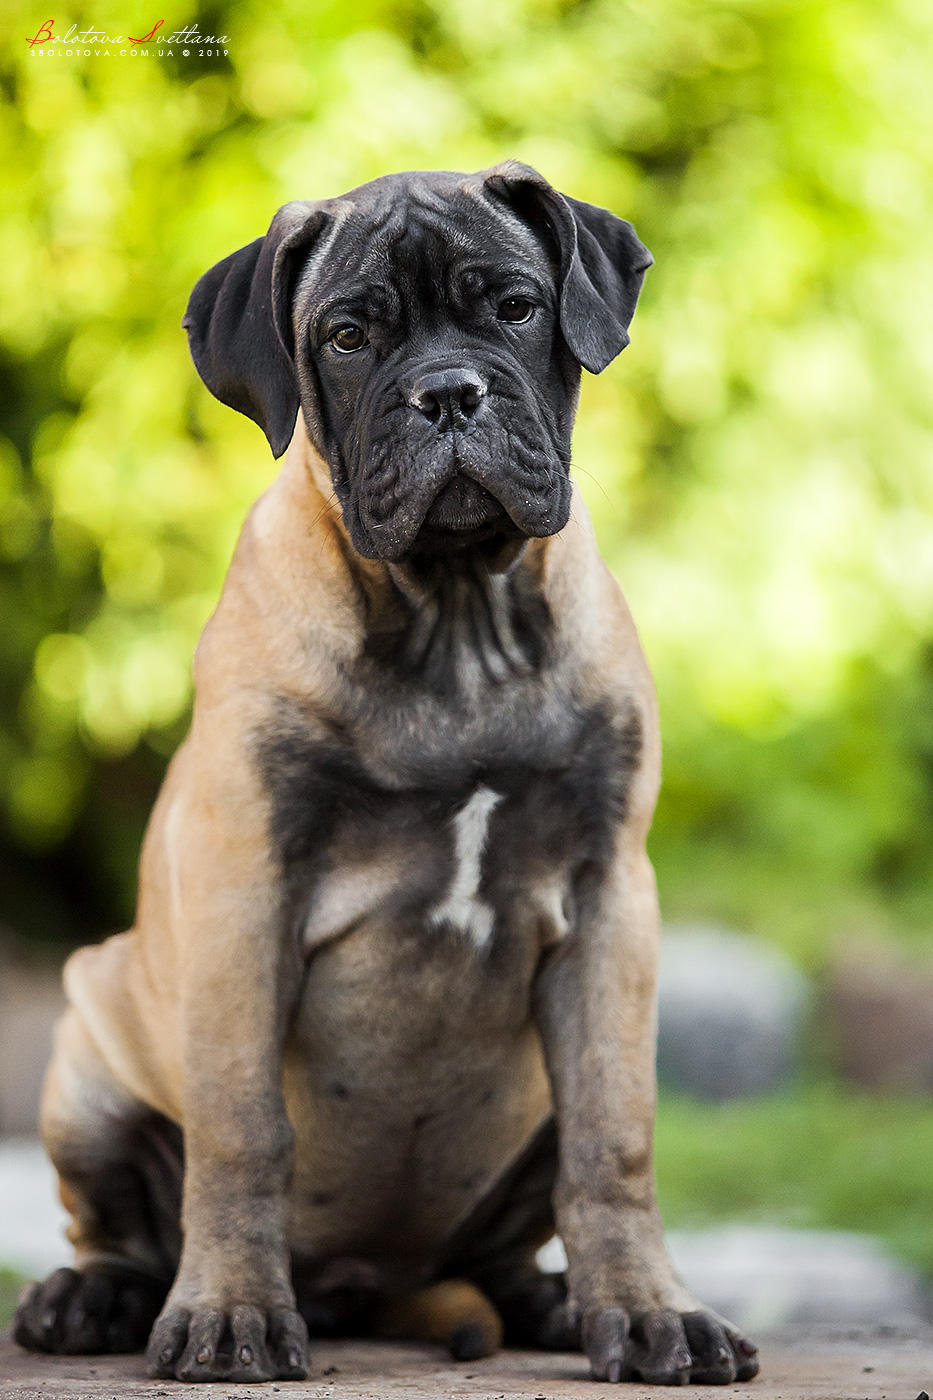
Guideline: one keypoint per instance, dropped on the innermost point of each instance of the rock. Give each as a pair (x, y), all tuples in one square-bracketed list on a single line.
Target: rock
[(879, 1020), (730, 1013), (764, 1278)]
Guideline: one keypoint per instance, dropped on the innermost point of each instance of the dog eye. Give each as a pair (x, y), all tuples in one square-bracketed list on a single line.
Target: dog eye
[(515, 310), (346, 339)]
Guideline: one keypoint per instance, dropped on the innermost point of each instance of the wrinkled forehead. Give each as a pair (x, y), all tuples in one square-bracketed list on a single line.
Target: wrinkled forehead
[(421, 234)]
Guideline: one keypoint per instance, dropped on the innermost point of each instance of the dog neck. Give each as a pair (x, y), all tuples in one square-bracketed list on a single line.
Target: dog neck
[(458, 621), (460, 626)]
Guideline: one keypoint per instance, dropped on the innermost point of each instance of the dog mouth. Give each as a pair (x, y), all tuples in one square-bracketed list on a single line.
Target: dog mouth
[(464, 515), (463, 507), (478, 489)]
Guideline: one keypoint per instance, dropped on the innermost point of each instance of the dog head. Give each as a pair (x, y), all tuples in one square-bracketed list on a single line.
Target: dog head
[(431, 327)]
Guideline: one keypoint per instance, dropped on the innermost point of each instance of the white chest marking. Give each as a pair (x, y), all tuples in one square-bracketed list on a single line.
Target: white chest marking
[(347, 896), (462, 907)]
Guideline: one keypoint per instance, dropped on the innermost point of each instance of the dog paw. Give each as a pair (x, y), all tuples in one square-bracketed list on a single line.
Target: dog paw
[(667, 1348), (88, 1311), (240, 1344), (537, 1314)]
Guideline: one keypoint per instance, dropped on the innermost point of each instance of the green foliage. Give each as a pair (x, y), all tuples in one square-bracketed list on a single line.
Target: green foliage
[(10, 1285), (813, 1158), (758, 462)]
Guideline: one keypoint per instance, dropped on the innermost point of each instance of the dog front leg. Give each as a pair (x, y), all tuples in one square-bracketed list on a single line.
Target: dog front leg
[(231, 1312), (596, 1011)]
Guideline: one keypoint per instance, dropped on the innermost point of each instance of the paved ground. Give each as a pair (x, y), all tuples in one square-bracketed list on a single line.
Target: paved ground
[(840, 1366)]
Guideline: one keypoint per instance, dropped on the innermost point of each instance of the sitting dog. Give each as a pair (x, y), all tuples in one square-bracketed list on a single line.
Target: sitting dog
[(387, 1015)]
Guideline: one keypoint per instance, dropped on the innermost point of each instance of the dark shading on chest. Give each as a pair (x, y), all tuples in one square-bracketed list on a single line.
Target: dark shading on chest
[(575, 808), (559, 805)]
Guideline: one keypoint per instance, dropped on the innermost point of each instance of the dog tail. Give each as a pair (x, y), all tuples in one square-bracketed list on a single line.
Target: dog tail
[(453, 1311)]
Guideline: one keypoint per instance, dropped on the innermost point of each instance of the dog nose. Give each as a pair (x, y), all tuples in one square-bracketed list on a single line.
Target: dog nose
[(448, 397)]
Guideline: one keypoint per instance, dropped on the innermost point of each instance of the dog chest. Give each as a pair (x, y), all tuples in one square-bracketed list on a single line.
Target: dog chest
[(464, 836)]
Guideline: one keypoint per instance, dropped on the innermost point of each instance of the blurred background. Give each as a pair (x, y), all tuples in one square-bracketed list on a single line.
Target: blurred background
[(758, 464)]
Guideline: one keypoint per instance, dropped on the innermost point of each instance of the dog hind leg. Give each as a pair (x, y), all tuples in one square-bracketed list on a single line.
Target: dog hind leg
[(120, 1172), (496, 1250), (453, 1312)]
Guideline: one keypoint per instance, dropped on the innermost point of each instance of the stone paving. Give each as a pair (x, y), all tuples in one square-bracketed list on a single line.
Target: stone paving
[(855, 1365)]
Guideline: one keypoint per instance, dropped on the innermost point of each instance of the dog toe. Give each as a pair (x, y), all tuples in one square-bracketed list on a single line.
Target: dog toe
[(746, 1355), (660, 1354), (242, 1344), (86, 1311), (605, 1341), (667, 1348), (38, 1321), (250, 1360), (714, 1361), (288, 1342), (200, 1359), (167, 1342)]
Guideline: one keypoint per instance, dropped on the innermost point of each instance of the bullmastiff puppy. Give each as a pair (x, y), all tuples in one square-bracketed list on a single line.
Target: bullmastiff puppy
[(386, 1018)]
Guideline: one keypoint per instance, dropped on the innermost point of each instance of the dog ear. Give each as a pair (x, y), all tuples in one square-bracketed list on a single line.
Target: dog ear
[(602, 261), (239, 323)]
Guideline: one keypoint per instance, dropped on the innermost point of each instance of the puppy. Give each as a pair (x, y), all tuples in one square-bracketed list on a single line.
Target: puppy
[(387, 1015)]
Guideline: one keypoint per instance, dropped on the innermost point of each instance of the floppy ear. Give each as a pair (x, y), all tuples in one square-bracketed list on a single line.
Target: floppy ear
[(602, 261), (240, 328)]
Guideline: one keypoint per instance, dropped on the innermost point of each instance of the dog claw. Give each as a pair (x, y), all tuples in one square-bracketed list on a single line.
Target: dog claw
[(666, 1348), (187, 1345), (605, 1341)]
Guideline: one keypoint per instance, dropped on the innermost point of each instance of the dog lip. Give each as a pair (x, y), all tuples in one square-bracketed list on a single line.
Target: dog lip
[(462, 499), (433, 522), (463, 504)]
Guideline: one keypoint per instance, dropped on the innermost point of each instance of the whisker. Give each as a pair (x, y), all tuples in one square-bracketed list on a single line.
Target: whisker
[(332, 498), (575, 466), (324, 508)]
